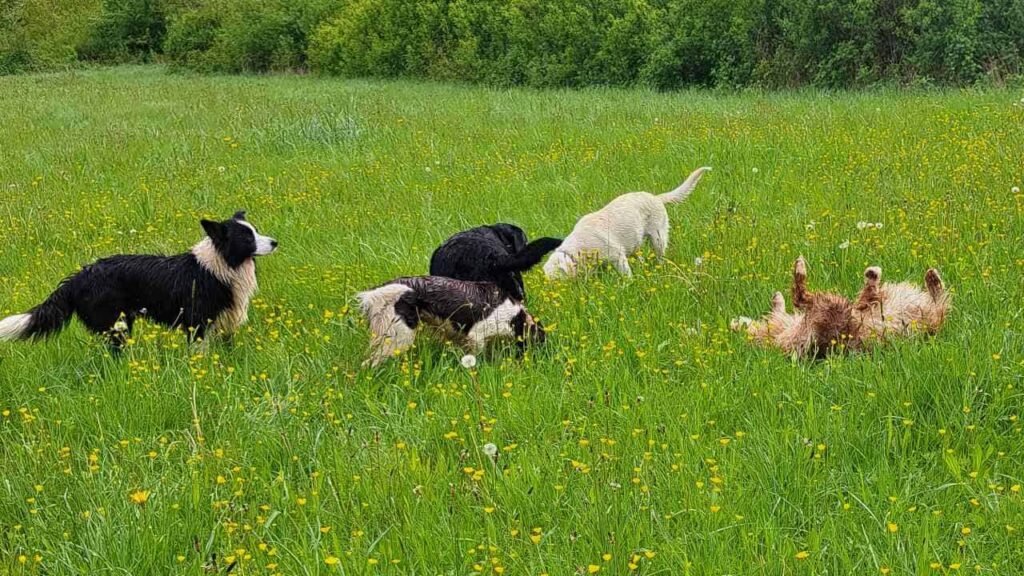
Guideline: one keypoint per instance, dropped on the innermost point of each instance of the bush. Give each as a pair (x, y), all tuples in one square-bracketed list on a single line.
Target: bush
[(127, 30), (666, 44), (245, 35), (42, 34)]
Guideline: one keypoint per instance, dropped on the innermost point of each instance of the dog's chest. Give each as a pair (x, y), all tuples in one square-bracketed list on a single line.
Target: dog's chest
[(242, 282)]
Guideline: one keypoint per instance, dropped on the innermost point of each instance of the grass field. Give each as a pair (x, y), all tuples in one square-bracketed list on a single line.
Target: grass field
[(643, 436)]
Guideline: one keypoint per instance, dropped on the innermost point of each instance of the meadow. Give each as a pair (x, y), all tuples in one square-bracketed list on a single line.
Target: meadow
[(643, 437)]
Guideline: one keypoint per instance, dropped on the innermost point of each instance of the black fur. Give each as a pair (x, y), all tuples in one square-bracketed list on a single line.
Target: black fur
[(497, 254), (175, 291), (461, 304)]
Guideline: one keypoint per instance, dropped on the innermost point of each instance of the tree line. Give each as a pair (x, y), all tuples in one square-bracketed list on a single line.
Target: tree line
[(664, 44)]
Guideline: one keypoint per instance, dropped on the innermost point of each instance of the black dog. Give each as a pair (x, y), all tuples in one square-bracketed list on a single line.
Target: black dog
[(474, 312), (497, 254), (206, 288)]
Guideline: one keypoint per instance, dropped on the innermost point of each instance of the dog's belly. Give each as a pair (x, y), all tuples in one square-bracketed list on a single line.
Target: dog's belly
[(905, 309)]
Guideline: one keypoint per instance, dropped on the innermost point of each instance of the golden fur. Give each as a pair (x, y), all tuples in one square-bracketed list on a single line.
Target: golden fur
[(824, 322)]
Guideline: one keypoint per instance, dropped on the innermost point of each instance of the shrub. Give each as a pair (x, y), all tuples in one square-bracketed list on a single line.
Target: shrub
[(42, 34), (126, 30), (245, 35), (666, 44)]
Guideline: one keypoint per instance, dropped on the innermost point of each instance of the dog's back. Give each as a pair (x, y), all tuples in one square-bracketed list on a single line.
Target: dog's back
[(497, 253)]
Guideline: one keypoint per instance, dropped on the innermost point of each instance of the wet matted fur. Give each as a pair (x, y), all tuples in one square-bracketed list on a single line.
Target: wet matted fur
[(825, 322), (207, 288), (497, 253), (472, 312)]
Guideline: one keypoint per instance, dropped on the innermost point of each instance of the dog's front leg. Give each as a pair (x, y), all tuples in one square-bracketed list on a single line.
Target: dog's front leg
[(622, 265)]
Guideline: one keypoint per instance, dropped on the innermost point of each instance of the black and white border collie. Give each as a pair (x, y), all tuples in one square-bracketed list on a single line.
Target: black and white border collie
[(207, 288), (497, 253), (473, 312)]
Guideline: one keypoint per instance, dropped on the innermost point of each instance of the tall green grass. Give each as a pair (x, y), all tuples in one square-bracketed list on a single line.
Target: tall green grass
[(643, 432)]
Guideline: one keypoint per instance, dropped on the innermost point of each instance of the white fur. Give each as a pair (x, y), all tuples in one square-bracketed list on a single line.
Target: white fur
[(264, 244), (388, 333), (241, 280), (614, 232), (497, 324), (14, 327)]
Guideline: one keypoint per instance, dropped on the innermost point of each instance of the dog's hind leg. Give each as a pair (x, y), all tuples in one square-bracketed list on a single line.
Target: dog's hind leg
[(658, 234), (869, 295), (936, 315), (801, 297), (621, 264), (396, 339), (933, 282)]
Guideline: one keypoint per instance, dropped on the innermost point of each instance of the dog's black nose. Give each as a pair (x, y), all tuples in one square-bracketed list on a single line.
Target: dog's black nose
[(273, 243)]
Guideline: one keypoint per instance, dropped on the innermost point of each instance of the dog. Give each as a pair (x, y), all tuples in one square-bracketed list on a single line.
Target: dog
[(474, 313), (614, 232), (497, 253), (825, 323), (207, 288)]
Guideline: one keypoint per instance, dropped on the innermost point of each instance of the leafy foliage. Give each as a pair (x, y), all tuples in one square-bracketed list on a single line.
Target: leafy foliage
[(664, 44)]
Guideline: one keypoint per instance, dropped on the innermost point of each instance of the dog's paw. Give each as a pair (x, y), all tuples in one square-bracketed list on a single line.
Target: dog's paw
[(873, 274), (741, 323), (778, 302), (800, 267)]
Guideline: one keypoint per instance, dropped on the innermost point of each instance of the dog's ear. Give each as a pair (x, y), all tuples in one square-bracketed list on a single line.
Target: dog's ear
[(215, 230), (240, 215), (511, 235)]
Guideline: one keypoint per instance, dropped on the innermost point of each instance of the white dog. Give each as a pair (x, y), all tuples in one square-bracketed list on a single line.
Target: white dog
[(617, 230)]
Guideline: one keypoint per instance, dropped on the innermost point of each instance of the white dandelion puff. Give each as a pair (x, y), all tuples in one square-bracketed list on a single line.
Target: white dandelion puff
[(468, 361), (490, 450)]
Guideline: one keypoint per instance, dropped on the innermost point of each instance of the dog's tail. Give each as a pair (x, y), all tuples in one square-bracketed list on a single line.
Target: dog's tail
[(529, 256), (43, 320), (684, 189), (378, 305)]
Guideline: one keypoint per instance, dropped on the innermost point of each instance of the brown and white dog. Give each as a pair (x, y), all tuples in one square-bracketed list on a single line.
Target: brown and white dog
[(825, 322)]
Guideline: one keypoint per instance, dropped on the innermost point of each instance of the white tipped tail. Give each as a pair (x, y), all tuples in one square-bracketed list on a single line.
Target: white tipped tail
[(684, 189), (388, 334), (373, 301), (15, 327), (378, 306)]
